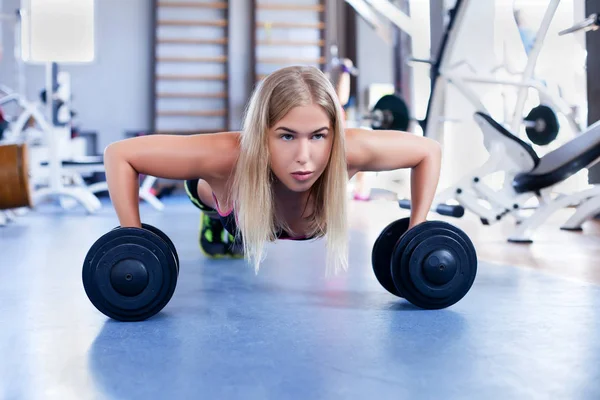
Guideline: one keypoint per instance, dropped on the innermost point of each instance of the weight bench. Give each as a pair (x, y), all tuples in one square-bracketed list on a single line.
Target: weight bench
[(581, 152), (90, 164), (526, 176), (507, 154)]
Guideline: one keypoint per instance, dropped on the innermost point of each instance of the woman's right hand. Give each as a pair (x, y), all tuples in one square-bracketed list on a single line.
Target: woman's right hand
[(207, 156)]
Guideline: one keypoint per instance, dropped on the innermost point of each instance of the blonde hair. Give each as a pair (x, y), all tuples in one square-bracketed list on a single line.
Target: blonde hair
[(252, 194)]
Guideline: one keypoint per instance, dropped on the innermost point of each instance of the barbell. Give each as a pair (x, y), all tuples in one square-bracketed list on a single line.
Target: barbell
[(389, 113)]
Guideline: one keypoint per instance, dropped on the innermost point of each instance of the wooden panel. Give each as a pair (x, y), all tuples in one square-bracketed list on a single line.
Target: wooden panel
[(166, 95), (191, 69), (318, 25), (291, 43), (220, 23), (219, 59), (292, 60), (189, 4), (167, 77), (191, 41), (291, 7), (287, 33)]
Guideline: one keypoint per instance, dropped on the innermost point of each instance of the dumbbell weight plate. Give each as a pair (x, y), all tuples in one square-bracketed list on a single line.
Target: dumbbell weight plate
[(164, 237), (381, 255), (130, 274), (434, 265)]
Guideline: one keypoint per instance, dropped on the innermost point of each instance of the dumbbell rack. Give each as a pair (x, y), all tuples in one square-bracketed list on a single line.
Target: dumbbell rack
[(190, 85), (287, 33)]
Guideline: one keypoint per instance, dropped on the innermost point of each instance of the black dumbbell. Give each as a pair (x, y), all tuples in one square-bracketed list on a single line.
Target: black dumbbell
[(432, 265), (130, 274)]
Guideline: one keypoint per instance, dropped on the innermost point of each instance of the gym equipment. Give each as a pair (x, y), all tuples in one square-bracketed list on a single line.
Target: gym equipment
[(581, 152), (509, 154), (130, 274), (527, 177), (541, 125), (432, 265), (444, 69), (591, 23), (14, 177), (450, 210), (390, 112)]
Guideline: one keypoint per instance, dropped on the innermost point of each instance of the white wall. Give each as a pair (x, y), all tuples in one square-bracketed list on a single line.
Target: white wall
[(112, 94)]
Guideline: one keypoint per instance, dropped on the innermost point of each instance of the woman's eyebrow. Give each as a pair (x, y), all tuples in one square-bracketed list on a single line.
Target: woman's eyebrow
[(292, 131)]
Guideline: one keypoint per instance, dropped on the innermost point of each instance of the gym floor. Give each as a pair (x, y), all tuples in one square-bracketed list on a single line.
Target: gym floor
[(527, 329)]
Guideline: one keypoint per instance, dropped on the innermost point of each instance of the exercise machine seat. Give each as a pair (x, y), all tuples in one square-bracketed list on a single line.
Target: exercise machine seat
[(502, 130), (558, 165)]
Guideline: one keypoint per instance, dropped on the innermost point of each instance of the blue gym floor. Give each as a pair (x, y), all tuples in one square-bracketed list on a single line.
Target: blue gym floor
[(286, 333)]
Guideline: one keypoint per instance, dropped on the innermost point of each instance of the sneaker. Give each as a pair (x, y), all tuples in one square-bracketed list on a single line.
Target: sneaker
[(212, 237)]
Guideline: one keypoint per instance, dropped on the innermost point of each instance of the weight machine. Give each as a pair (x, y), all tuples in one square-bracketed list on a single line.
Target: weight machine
[(58, 166), (507, 153), (540, 123)]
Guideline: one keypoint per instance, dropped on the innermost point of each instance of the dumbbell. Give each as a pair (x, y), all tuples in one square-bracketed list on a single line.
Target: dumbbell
[(433, 265), (130, 274)]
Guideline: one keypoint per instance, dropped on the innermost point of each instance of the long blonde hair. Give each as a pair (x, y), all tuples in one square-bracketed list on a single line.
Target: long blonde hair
[(252, 194)]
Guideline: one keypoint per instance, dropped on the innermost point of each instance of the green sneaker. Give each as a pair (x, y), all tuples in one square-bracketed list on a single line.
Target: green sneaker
[(212, 237)]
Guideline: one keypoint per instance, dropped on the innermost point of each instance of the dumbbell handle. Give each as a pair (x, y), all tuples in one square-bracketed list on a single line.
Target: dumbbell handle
[(449, 210)]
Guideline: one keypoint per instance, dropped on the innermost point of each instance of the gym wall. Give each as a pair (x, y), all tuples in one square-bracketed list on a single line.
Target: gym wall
[(113, 94), (109, 95), (374, 61)]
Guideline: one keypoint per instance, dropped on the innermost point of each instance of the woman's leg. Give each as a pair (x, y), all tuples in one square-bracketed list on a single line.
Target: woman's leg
[(205, 193), (212, 234), (215, 241)]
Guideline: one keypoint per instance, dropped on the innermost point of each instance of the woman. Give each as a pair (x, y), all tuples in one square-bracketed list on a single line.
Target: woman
[(285, 174)]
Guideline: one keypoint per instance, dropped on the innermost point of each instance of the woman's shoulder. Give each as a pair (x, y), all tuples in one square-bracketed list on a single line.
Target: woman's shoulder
[(222, 155), (354, 138)]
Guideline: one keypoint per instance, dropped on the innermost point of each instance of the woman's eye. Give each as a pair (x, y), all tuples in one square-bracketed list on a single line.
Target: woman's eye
[(319, 136), (287, 137)]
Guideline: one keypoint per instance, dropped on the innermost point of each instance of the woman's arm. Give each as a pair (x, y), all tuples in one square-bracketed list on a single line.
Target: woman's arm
[(208, 156), (373, 150)]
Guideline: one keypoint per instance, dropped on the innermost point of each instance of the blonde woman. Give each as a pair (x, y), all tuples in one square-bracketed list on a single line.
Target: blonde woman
[(284, 175)]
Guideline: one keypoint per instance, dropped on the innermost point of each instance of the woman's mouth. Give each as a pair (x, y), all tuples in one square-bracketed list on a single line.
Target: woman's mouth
[(302, 175)]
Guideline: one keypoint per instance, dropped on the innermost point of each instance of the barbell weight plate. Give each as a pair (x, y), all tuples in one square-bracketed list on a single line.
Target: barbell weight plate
[(164, 237), (434, 265), (546, 126), (129, 274), (397, 108), (381, 255)]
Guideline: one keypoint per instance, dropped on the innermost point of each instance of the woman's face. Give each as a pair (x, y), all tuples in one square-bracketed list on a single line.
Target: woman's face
[(300, 145)]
